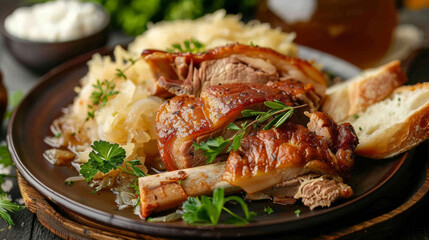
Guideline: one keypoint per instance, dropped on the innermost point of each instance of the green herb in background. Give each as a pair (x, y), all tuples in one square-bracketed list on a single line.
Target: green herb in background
[(14, 99), (6, 207), (5, 158), (132, 16)]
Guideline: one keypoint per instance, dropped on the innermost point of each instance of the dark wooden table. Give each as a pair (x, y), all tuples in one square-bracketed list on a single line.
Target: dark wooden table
[(413, 226)]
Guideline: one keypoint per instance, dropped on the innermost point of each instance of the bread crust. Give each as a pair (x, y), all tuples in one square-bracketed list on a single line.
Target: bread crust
[(363, 91), (399, 137)]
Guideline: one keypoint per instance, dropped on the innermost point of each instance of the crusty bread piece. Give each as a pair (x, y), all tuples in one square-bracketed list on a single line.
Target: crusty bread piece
[(394, 125), (345, 99)]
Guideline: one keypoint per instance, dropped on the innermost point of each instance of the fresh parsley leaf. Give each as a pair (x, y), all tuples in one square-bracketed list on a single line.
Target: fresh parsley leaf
[(104, 157), (268, 210), (6, 207), (5, 158), (207, 210), (191, 46)]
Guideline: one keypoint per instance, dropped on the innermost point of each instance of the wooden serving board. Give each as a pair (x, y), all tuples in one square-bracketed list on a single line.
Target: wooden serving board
[(70, 225)]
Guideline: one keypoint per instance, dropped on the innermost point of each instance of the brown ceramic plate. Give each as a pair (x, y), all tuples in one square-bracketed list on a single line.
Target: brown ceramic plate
[(30, 124)]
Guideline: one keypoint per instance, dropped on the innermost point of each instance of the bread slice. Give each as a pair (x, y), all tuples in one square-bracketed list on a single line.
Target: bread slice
[(345, 99), (394, 125)]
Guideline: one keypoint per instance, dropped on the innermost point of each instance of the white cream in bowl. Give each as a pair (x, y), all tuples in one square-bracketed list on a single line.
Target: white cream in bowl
[(56, 21)]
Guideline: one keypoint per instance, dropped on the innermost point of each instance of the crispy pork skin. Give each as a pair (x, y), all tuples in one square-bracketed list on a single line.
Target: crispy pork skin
[(190, 74), (269, 157), (186, 119)]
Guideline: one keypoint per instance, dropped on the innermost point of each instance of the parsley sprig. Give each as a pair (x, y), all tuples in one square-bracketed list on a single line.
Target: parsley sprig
[(192, 46), (104, 157), (207, 210), (279, 113)]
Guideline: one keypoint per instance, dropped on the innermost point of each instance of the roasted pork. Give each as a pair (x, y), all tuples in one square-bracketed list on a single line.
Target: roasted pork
[(186, 119), (190, 74), (277, 155), (284, 164)]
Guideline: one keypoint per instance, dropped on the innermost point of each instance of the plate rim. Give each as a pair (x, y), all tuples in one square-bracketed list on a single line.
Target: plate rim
[(163, 229)]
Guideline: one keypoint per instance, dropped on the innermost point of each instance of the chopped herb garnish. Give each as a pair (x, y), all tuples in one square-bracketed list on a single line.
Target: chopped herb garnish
[(180, 182), (192, 46), (131, 169), (104, 90), (360, 128), (73, 133), (132, 61), (399, 99), (268, 210), (207, 210), (120, 74), (100, 96), (252, 44), (58, 134), (104, 157), (148, 219), (355, 116), (279, 112), (297, 212), (70, 183)]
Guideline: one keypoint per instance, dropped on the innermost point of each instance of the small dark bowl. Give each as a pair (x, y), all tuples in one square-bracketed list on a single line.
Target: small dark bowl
[(42, 56)]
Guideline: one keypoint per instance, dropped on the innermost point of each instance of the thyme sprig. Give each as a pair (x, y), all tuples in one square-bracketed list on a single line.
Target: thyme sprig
[(192, 46), (279, 113), (103, 90)]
